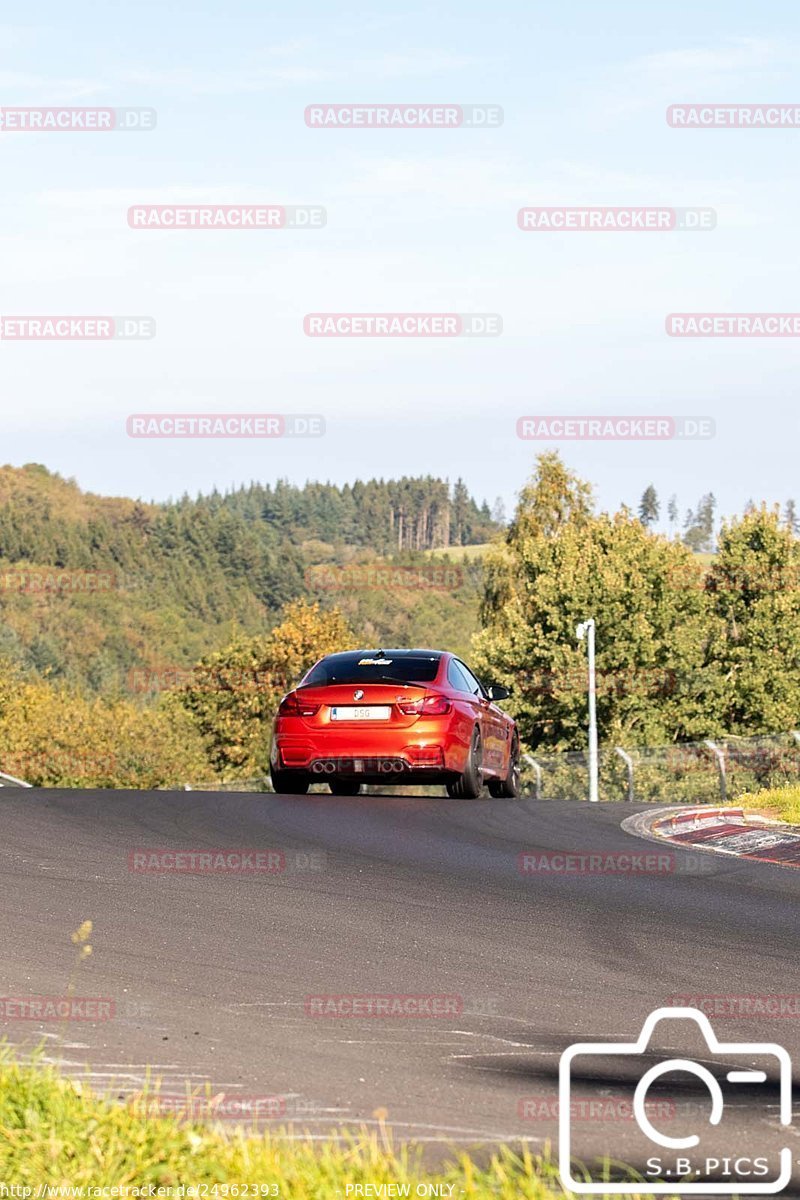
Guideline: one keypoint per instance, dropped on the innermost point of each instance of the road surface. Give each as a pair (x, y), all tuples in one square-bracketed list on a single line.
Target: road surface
[(395, 896)]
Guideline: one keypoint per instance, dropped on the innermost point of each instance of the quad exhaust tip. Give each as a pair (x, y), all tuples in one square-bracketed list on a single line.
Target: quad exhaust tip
[(384, 766)]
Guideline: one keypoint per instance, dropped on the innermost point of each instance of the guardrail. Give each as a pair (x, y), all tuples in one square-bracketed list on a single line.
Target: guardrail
[(258, 784), (11, 781)]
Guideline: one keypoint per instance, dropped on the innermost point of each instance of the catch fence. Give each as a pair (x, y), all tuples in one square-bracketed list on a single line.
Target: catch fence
[(702, 772)]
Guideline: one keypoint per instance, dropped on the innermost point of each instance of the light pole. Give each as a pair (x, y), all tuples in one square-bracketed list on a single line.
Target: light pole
[(586, 630)]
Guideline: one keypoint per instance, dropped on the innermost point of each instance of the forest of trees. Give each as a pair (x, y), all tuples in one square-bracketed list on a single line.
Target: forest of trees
[(386, 516), (222, 601), (699, 522), (184, 577), (237, 531)]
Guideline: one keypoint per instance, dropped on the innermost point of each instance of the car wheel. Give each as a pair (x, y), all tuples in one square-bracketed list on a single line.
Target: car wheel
[(509, 787), (345, 787), (290, 783), (469, 785)]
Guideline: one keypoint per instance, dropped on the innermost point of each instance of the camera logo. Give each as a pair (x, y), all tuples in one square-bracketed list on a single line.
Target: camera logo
[(692, 1163)]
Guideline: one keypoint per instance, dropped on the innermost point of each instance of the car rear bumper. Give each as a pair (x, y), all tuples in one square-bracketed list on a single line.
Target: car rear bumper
[(385, 771), (372, 755)]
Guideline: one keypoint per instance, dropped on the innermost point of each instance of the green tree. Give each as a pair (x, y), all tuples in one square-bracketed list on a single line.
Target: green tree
[(51, 736), (561, 564), (460, 513), (553, 496), (233, 694), (754, 591), (699, 528), (649, 506), (672, 510)]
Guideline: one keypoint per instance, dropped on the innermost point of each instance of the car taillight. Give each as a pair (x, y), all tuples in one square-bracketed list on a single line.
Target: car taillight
[(427, 706), (294, 706)]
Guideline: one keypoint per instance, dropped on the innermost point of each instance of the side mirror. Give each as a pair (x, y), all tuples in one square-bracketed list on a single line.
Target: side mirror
[(496, 691)]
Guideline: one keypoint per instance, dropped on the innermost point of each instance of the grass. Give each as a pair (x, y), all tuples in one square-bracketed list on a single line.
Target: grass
[(783, 803), (56, 1131), (459, 553)]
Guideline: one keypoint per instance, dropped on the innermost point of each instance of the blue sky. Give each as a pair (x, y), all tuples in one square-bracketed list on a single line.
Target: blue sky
[(417, 221)]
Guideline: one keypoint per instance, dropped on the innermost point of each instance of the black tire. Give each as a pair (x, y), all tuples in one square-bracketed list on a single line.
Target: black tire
[(508, 788), (344, 787), (469, 785), (290, 783)]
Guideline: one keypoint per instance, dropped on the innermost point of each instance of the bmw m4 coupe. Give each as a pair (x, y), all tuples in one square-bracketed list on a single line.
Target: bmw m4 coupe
[(394, 717)]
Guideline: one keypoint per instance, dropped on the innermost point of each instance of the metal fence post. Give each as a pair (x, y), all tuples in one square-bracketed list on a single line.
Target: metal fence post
[(720, 757), (537, 787), (626, 758)]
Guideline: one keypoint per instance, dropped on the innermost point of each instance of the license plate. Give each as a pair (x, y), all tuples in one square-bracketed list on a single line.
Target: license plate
[(367, 712)]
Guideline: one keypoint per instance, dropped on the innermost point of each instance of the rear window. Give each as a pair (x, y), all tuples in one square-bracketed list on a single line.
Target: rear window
[(373, 668)]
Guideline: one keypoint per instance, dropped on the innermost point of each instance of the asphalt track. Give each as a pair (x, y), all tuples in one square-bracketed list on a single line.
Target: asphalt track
[(383, 895)]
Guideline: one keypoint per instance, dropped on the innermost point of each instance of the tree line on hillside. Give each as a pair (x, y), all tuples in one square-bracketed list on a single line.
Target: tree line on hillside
[(253, 533), (183, 577), (698, 523), (387, 516), (685, 651)]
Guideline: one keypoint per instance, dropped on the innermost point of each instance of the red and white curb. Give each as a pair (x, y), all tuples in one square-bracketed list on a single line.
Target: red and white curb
[(729, 831)]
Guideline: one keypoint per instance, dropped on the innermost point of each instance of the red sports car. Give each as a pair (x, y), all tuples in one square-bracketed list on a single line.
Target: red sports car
[(391, 717)]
